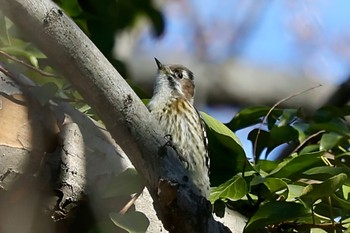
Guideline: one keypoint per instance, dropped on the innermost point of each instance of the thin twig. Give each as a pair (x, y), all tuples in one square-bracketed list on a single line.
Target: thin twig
[(307, 226), (308, 139), (44, 73), (270, 111), (130, 203), (331, 213), (5, 71)]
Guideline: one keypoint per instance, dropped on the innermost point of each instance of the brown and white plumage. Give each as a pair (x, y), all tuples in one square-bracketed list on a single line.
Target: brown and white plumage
[(172, 106)]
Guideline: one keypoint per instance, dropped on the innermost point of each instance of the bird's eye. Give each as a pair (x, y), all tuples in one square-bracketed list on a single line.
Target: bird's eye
[(179, 75)]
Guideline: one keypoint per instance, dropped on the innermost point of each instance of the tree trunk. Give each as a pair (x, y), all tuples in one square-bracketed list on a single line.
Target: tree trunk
[(176, 200)]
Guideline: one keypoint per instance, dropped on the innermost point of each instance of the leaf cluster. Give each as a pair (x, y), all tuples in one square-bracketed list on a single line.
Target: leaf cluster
[(304, 189)]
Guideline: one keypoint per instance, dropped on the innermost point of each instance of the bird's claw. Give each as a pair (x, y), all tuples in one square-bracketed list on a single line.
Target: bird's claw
[(169, 142)]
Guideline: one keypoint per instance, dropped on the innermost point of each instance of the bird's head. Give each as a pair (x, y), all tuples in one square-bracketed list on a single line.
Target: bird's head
[(175, 80)]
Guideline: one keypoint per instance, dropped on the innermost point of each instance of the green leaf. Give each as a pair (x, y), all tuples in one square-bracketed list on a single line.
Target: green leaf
[(27, 51), (16, 50), (329, 140), (251, 116), (221, 129), (293, 166), (126, 183), (322, 209), (283, 134), (273, 138), (227, 156), (219, 208), (34, 61), (262, 141), (337, 201), (84, 108), (267, 165), (274, 213), (346, 192), (347, 230), (325, 172), (287, 117), (335, 125), (4, 37), (301, 129), (145, 101), (132, 222), (294, 191), (328, 113), (233, 189), (275, 184), (313, 192), (317, 230), (257, 179), (313, 148), (268, 188)]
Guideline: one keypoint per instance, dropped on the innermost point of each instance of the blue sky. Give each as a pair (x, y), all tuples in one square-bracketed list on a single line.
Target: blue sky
[(295, 35), (274, 43)]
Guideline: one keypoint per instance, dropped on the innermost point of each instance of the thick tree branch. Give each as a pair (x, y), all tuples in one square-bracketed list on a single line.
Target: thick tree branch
[(176, 200)]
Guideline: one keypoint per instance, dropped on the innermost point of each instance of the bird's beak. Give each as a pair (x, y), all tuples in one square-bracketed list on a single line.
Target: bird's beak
[(159, 64)]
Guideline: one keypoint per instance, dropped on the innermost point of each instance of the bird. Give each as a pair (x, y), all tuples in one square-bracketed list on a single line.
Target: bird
[(172, 106)]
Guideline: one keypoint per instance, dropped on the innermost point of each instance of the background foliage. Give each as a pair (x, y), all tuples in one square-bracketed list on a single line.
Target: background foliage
[(309, 189), (305, 189)]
